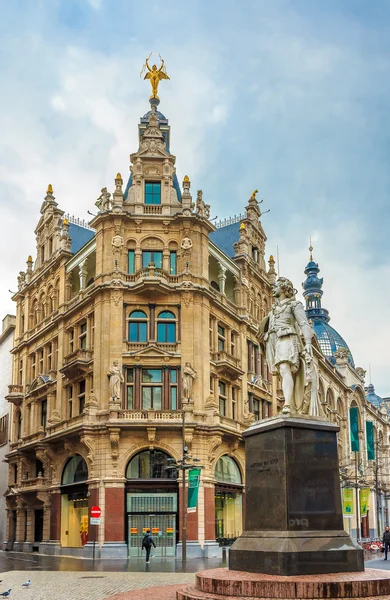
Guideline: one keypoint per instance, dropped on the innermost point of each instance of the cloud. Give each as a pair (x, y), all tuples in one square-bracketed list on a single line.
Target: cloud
[(299, 110)]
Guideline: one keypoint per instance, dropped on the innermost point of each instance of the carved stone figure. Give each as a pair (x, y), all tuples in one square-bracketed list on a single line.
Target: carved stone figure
[(286, 356), (103, 202), (116, 379), (189, 375)]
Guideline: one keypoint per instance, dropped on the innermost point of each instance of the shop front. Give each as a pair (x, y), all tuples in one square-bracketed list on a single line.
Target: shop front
[(74, 503), (228, 501), (151, 503)]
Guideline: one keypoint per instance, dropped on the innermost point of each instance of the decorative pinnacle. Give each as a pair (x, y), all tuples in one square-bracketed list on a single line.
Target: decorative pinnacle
[(311, 250), (66, 222), (271, 258), (242, 226), (253, 197), (186, 179), (29, 259), (118, 176), (49, 189)]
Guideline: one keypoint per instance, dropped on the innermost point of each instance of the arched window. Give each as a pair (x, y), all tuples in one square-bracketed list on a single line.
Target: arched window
[(138, 326), (227, 471), (75, 470), (166, 328), (150, 464)]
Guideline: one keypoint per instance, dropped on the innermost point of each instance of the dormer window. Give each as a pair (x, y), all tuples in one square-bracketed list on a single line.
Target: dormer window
[(152, 192)]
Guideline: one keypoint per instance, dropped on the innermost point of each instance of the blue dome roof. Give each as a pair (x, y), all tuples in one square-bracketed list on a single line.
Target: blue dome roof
[(330, 341), (328, 338), (373, 397)]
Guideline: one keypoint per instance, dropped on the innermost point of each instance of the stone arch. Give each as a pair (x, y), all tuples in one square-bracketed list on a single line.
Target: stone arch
[(129, 454), (236, 458), (71, 463), (235, 462), (330, 399), (155, 241)]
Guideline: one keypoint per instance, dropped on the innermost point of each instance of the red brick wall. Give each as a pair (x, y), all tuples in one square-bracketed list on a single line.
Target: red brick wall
[(114, 530), (55, 517), (209, 509)]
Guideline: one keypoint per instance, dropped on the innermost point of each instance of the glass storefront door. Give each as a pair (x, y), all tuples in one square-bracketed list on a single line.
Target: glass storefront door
[(154, 511), (162, 528)]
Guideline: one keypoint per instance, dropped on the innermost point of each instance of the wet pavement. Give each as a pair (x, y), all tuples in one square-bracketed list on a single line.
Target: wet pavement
[(21, 561)]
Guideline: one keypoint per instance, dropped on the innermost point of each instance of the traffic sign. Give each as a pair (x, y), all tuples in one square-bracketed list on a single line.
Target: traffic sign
[(94, 521), (96, 511)]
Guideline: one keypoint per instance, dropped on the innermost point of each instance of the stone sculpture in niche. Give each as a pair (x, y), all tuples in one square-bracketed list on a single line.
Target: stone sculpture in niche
[(286, 355), (116, 379), (189, 375)]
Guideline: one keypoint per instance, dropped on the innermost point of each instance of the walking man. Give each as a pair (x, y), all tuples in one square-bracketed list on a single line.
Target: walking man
[(386, 540), (148, 542)]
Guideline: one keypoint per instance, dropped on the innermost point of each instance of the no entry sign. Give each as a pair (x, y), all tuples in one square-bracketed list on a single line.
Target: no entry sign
[(96, 511)]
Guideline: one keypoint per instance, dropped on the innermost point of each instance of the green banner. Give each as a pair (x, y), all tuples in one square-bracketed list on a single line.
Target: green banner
[(354, 428), (348, 502), (193, 489), (370, 440), (364, 498)]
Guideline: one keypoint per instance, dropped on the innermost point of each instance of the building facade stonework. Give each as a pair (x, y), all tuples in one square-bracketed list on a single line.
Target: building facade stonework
[(123, 325)]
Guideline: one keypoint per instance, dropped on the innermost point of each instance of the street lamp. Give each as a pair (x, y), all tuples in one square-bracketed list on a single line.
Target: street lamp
[(183, 465)]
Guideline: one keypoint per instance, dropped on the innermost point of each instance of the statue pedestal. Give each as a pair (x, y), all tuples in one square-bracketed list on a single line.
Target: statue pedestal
[(294, 522)]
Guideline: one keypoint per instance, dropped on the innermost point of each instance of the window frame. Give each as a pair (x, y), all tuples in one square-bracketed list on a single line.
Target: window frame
[(222, 397), (138, 322), (165, 325), (152, 197), (152, 253)]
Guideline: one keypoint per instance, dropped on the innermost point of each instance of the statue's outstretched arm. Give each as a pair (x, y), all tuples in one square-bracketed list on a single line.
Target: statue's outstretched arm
[(147, 64)]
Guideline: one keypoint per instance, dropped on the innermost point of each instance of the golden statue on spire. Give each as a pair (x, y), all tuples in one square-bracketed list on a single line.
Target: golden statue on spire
[(155, 75)]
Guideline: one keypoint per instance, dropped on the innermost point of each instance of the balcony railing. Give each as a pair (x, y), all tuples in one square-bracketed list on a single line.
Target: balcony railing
[(137, 346), (150, 415), (227, 364), (15, 394), (152, 209), (152, 273), (80, 355)]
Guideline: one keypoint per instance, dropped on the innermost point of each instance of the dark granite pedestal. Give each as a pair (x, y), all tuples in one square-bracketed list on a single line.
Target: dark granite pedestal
[(294, 522)]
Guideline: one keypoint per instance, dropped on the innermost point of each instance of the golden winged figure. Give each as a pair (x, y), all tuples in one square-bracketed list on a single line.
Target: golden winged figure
[(155, 75)]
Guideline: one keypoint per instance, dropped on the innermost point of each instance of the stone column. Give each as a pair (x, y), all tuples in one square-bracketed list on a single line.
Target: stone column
[(30, 526), (221, 277), (83, 273), (20, 525), (137, 260)]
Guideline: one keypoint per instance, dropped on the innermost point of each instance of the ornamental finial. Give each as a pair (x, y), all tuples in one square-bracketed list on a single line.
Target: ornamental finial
[(311, 250), (49, 189), (154, 75)]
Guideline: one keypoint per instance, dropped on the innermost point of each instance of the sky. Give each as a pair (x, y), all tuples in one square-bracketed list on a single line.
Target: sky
[(289, 97)]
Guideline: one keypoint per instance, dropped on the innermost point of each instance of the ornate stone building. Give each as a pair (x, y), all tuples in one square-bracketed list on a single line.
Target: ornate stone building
[(112, 318)]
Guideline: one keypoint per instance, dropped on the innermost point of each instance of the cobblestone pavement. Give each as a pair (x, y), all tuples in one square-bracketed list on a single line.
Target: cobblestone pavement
[(51, 585)]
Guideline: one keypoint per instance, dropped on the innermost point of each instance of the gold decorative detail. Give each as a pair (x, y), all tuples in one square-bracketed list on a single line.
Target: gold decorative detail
[(271, 257), (49, 189), (118, 176), (186, 179), (66, 222), (154, 75), (253, 197), (29, 258), (242, 227)]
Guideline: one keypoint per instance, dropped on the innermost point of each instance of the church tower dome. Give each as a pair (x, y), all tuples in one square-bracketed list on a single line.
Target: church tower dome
[(328, 338)]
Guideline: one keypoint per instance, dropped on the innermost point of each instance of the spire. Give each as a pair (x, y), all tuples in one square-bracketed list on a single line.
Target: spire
[(312, 290)]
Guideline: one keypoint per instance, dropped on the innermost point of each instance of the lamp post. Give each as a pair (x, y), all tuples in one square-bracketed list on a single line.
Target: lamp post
[(183, 465)]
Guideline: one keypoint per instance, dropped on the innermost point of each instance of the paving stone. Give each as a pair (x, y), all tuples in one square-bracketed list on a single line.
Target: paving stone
[(71, 585)]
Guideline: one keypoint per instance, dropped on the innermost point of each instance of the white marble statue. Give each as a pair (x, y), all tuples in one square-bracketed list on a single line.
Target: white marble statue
[(116, 379), (286, 355)]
